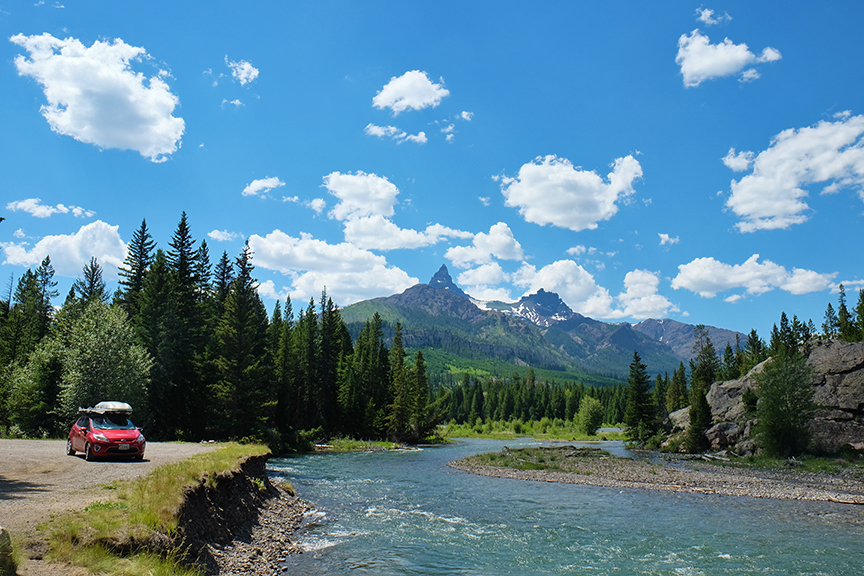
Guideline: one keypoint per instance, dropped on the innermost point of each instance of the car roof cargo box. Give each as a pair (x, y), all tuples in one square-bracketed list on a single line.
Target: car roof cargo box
[(103, 407)]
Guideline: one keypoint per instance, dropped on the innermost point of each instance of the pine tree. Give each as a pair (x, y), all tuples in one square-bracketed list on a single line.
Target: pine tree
[(859, 315), (244, 393), (661, 386), (829, 326), (640, 415), (703, 369), (157, 324), (187, 339), (399, 411), (223, 277), (755, 352), (785, 404), (306, 346), (90, 287), (677, 396), (285, 371), (845, 326), (139, 256)]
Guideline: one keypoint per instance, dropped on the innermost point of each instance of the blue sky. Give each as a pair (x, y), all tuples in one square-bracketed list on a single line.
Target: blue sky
[(698, 162)]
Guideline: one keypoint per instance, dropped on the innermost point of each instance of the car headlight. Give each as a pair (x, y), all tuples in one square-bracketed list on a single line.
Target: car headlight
[(101, 437), (140, 438)]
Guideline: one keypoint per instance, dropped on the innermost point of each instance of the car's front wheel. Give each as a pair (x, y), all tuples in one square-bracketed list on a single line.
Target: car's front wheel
[(69, 450), (88, 453)]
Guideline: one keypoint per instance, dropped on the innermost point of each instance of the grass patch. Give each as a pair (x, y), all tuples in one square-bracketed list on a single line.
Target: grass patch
[(346, 444), (554, 458), (542, 430), (138, 509)]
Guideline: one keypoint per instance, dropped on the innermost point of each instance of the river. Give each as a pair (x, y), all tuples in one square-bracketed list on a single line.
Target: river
[(406, 512)]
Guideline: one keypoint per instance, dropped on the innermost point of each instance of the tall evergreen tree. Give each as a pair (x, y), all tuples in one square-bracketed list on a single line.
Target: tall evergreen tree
[(223, 277), (829, 325), (755, 352), (703, 369), (845, 323), (677, 396), (785, 404), (90, 287), (859, 315), (661, 386), (188, 339), (139, 256), (244, 394), (308, 414), (640, 415), (399, 411), (157, 325)]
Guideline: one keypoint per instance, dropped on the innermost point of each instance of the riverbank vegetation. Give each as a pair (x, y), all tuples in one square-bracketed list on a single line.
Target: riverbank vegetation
[(141, 510), (544, 429)]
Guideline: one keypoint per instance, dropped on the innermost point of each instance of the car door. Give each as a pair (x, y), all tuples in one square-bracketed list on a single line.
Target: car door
[(79, 433)]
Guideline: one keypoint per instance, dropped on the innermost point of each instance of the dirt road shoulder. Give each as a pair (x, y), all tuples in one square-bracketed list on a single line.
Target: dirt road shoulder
[(38, 479)]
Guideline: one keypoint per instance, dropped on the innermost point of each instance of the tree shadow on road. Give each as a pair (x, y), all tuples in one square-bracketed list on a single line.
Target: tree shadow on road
[(14, 489)]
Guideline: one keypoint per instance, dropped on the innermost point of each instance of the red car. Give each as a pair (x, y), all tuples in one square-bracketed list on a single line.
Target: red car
[(106, 431)]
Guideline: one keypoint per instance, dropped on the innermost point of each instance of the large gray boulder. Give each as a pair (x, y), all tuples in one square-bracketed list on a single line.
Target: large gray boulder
[(838, 382), (838, 392)]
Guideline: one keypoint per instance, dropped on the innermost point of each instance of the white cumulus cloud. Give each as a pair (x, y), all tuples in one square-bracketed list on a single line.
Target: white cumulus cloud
[(700, 60), (481, 282), (70, 252), (379, 233), (366, 205), (34, 207), (498, 243), (349, 273), (640, 299), (262, 186), (707, 277), (361, 194), (706, 15), (413, 90), (772, 195), (223, 235), (550, 190), (666, 239), (96, 97), (394, 133), (242, 71)]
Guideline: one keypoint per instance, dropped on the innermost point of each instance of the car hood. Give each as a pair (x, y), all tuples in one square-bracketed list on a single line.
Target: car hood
[(118, 434)]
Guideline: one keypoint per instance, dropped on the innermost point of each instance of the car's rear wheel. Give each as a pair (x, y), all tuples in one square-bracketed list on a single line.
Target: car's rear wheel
[(69, 450), (88, 453)]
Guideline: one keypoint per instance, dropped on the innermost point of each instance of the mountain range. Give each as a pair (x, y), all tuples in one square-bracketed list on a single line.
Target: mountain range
[(457, 332)]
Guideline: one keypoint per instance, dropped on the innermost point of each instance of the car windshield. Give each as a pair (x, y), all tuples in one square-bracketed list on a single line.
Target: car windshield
[(112, 422)]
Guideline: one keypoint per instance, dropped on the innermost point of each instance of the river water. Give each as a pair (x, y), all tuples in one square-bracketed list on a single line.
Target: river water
[(406, 512)]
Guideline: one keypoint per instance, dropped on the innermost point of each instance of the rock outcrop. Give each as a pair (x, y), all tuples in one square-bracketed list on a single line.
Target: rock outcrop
[(838, 393)]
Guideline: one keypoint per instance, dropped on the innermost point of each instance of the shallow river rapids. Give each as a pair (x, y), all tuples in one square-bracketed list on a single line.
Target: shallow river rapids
[(406, 512)]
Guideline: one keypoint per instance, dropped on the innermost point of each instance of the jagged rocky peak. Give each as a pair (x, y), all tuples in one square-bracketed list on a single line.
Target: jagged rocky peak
[(443, 281), (543, 308)]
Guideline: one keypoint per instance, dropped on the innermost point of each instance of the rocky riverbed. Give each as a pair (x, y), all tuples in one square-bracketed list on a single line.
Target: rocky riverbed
[(845, 491), (261, 544)]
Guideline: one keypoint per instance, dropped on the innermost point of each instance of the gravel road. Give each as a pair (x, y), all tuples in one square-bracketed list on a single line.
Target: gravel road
[(38, 479)]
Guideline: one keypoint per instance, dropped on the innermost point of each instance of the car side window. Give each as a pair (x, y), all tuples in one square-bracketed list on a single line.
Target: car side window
[(83, 421)]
